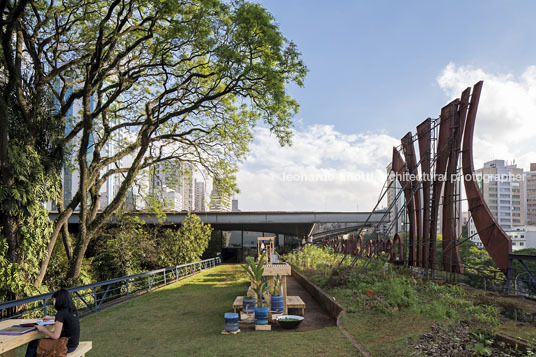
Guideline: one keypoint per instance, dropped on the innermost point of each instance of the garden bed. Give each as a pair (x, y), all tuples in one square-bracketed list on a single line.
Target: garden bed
[(392, 312)]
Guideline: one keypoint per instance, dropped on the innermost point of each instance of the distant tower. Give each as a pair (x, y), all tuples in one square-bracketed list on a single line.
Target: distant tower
[(199, 196), (504, 194), (219, 201), (530, 180), (235, 206)]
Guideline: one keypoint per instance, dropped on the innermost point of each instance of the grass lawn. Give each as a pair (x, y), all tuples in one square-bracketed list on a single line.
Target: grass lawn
[(380, 334), (186, 318)]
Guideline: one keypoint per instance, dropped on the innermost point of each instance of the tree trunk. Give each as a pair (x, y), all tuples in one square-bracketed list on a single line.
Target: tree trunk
[(65, 231), (62, 219), (67, 241), (76, 263)]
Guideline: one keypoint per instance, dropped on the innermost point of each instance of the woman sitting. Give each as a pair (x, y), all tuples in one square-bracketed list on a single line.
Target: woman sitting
[(67, 323)]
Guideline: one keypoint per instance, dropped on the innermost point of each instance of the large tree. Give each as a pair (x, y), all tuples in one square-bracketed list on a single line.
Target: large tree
[(155, 80)]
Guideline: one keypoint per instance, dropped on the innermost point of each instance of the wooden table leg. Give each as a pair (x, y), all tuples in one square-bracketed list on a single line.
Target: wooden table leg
[(284, 280)]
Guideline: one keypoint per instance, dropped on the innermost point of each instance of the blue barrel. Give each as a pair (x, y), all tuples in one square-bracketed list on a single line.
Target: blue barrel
[(277, 304), (231, 321), (261, 315), (248, 305)]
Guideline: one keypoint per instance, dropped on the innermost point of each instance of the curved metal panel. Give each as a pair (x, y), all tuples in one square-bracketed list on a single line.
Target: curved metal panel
[(424, 135), (496, 241), (358, 246), (411, 160), (397, 241), (447, 113), (451, 254), (402, 173)]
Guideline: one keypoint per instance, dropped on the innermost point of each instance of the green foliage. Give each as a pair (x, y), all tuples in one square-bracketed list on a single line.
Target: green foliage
[(186, 244), (387, 290), (255, 271), (476, 260), (276, 287), (124, 250), (315, 258), (190, 80), (482, 347), (16, 277), (29, 176)]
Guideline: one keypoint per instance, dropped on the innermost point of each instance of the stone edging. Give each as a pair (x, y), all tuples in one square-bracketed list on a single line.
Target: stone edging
[(513, 342), (332, 307)]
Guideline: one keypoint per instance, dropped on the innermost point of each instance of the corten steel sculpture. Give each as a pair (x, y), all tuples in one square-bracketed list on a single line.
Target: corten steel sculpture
[(424, 131), (411, 162), (441, 158), (496, 241), (402, 174), (457, 120), (451, 254)]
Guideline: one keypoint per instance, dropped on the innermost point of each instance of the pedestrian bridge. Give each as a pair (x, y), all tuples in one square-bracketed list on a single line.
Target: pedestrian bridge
[(277, 222)]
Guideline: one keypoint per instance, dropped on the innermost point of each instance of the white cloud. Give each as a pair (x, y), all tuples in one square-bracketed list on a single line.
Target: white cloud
[(324, 170), (506, 119)]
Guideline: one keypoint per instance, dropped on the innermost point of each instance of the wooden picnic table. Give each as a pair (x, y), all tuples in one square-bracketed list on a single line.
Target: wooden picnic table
[(8, 343), (281, 269)]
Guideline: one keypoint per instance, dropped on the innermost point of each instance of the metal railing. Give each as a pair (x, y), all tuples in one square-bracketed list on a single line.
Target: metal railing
[(92, 297)]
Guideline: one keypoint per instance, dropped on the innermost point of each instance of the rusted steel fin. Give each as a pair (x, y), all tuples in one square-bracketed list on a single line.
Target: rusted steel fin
[(442, 152), (397, 242), (402, 174), (496, 241), (424, 135), (451, 254), (411, 161)]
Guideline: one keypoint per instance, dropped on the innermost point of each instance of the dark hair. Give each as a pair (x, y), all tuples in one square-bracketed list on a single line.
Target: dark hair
[(63, 301)]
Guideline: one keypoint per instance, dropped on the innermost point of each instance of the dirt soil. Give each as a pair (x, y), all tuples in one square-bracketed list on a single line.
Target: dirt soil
[(315, 317), (457, 341)]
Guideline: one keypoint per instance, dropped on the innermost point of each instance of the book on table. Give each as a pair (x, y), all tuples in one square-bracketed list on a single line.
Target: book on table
[(39, 322), (16, 330), (25, 328)]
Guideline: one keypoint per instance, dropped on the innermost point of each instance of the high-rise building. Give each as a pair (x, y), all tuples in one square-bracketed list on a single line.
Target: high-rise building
[(504, 190), (187, 186), (199, 196), (530, 181), (235, 206), (220, 201)]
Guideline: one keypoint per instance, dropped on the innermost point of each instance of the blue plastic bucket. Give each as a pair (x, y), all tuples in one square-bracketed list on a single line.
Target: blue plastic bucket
[(248, 305), (261, 315), (277, 303), (231, 321)]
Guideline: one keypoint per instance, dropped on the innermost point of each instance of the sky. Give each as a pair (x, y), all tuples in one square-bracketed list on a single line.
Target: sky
[(376, 70)]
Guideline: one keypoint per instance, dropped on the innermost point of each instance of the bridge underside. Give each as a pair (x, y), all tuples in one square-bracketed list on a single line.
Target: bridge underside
[(289, 223)]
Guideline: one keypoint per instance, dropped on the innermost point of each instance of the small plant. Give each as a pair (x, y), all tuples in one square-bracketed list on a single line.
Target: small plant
[(480, 349), (288, 319), (276, 289), (484, 340), (255, 271)]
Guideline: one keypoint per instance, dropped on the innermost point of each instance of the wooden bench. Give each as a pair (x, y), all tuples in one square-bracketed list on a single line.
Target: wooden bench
[(83, 347), (295, 302), (237, 304)]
